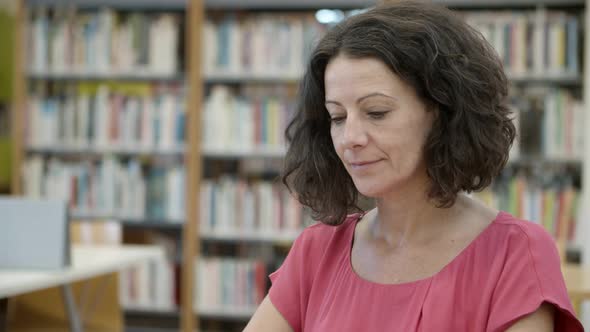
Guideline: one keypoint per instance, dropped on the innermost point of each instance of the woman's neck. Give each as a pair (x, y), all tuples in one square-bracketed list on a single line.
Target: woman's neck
[(411, 219)]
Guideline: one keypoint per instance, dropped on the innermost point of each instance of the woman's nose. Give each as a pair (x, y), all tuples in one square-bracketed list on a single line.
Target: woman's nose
[(354, 134)]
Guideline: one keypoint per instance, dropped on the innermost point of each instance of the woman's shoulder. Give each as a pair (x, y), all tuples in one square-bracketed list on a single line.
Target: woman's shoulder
[(320, 235), (320, 230), (512, 229), (512, 238)]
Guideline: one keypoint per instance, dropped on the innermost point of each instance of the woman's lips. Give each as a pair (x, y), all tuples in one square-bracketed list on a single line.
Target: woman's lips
[(362, 165)]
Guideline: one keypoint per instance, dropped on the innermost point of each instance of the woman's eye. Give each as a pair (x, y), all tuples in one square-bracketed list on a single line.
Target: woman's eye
[(377, 115), (337, 119)]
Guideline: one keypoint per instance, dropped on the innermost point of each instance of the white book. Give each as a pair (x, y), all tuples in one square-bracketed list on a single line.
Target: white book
[(143, 285), (125, 191), (223, 207), (538, 47), (550, 122), (258, 56), (147, 123), (210, 47), (175, 191), (163, 44), (78, 43), (33, 177), (236, 47), (49, 123), (164, 290), (57, 47), (578, 127), (205, 206), (520, 44), (553, 53), (82, 121), (44, 123), (247, 126), (167, 111), (124, 288), (215, 117), (249, 209), (223, 120), (141, 198), (35, 129), (40, 34), (132, 123), (108, 185), (102, 117), (124, 51), (265, 200), (69, 111), (104, 45), (297, 44)]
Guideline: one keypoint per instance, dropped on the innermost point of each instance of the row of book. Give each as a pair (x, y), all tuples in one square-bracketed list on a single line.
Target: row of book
[(104, 116), (537, 42), (229, 284), (62, 40), (109, 187), (149, 286), (236, 206), (65, 41), (252, 118), (261, 44), (144, 117), (553, 204), (125, 189), (550, 123)]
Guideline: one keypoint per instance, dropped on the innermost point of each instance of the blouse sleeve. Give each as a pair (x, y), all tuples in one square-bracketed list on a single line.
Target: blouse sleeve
[(531, 276), (291, 283)]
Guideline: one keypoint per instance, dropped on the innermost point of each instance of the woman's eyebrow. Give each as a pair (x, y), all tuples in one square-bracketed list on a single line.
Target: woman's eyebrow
[(360, 99)]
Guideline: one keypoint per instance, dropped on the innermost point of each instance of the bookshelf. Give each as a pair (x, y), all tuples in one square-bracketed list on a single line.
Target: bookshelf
[(113, 75), (195, 155)]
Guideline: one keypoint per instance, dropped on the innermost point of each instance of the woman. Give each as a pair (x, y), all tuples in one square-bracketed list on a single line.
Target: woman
[(406, 104)]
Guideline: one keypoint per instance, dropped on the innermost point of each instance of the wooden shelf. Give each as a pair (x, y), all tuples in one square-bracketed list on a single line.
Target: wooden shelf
[(508, 4), (292, 5), (544, 161), (217, 78), (174, 225), (176, 151), (229, 313), (90, 151), (130, 222), (241, 78), (251, 153), (135, 311), (556, 79), (96, 76), (251, 236), (139, 5)]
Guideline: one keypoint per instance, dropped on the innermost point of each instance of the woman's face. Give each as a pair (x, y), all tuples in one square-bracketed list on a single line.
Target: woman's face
[(378, 125)]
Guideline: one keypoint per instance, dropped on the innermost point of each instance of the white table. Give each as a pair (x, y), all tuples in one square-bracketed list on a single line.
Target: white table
[(86, 262)]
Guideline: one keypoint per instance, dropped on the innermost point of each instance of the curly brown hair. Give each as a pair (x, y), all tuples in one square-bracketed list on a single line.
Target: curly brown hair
[(452, 68)]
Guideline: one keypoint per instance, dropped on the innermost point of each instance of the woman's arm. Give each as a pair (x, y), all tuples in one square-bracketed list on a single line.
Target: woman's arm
[(267, 319), (539, 321)]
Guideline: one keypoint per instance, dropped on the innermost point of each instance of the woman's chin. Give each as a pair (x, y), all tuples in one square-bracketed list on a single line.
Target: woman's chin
[(371, 192)]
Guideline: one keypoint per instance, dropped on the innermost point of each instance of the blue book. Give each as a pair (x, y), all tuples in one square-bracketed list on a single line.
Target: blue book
[(572, 45)]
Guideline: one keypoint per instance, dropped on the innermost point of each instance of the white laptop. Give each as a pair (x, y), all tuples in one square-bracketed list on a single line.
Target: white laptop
[(34, 233)]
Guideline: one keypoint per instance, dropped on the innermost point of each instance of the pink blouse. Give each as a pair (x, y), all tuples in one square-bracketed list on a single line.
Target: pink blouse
[(505, 273)]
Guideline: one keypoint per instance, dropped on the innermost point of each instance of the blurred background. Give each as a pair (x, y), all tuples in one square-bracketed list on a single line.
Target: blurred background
[(162, 122)]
